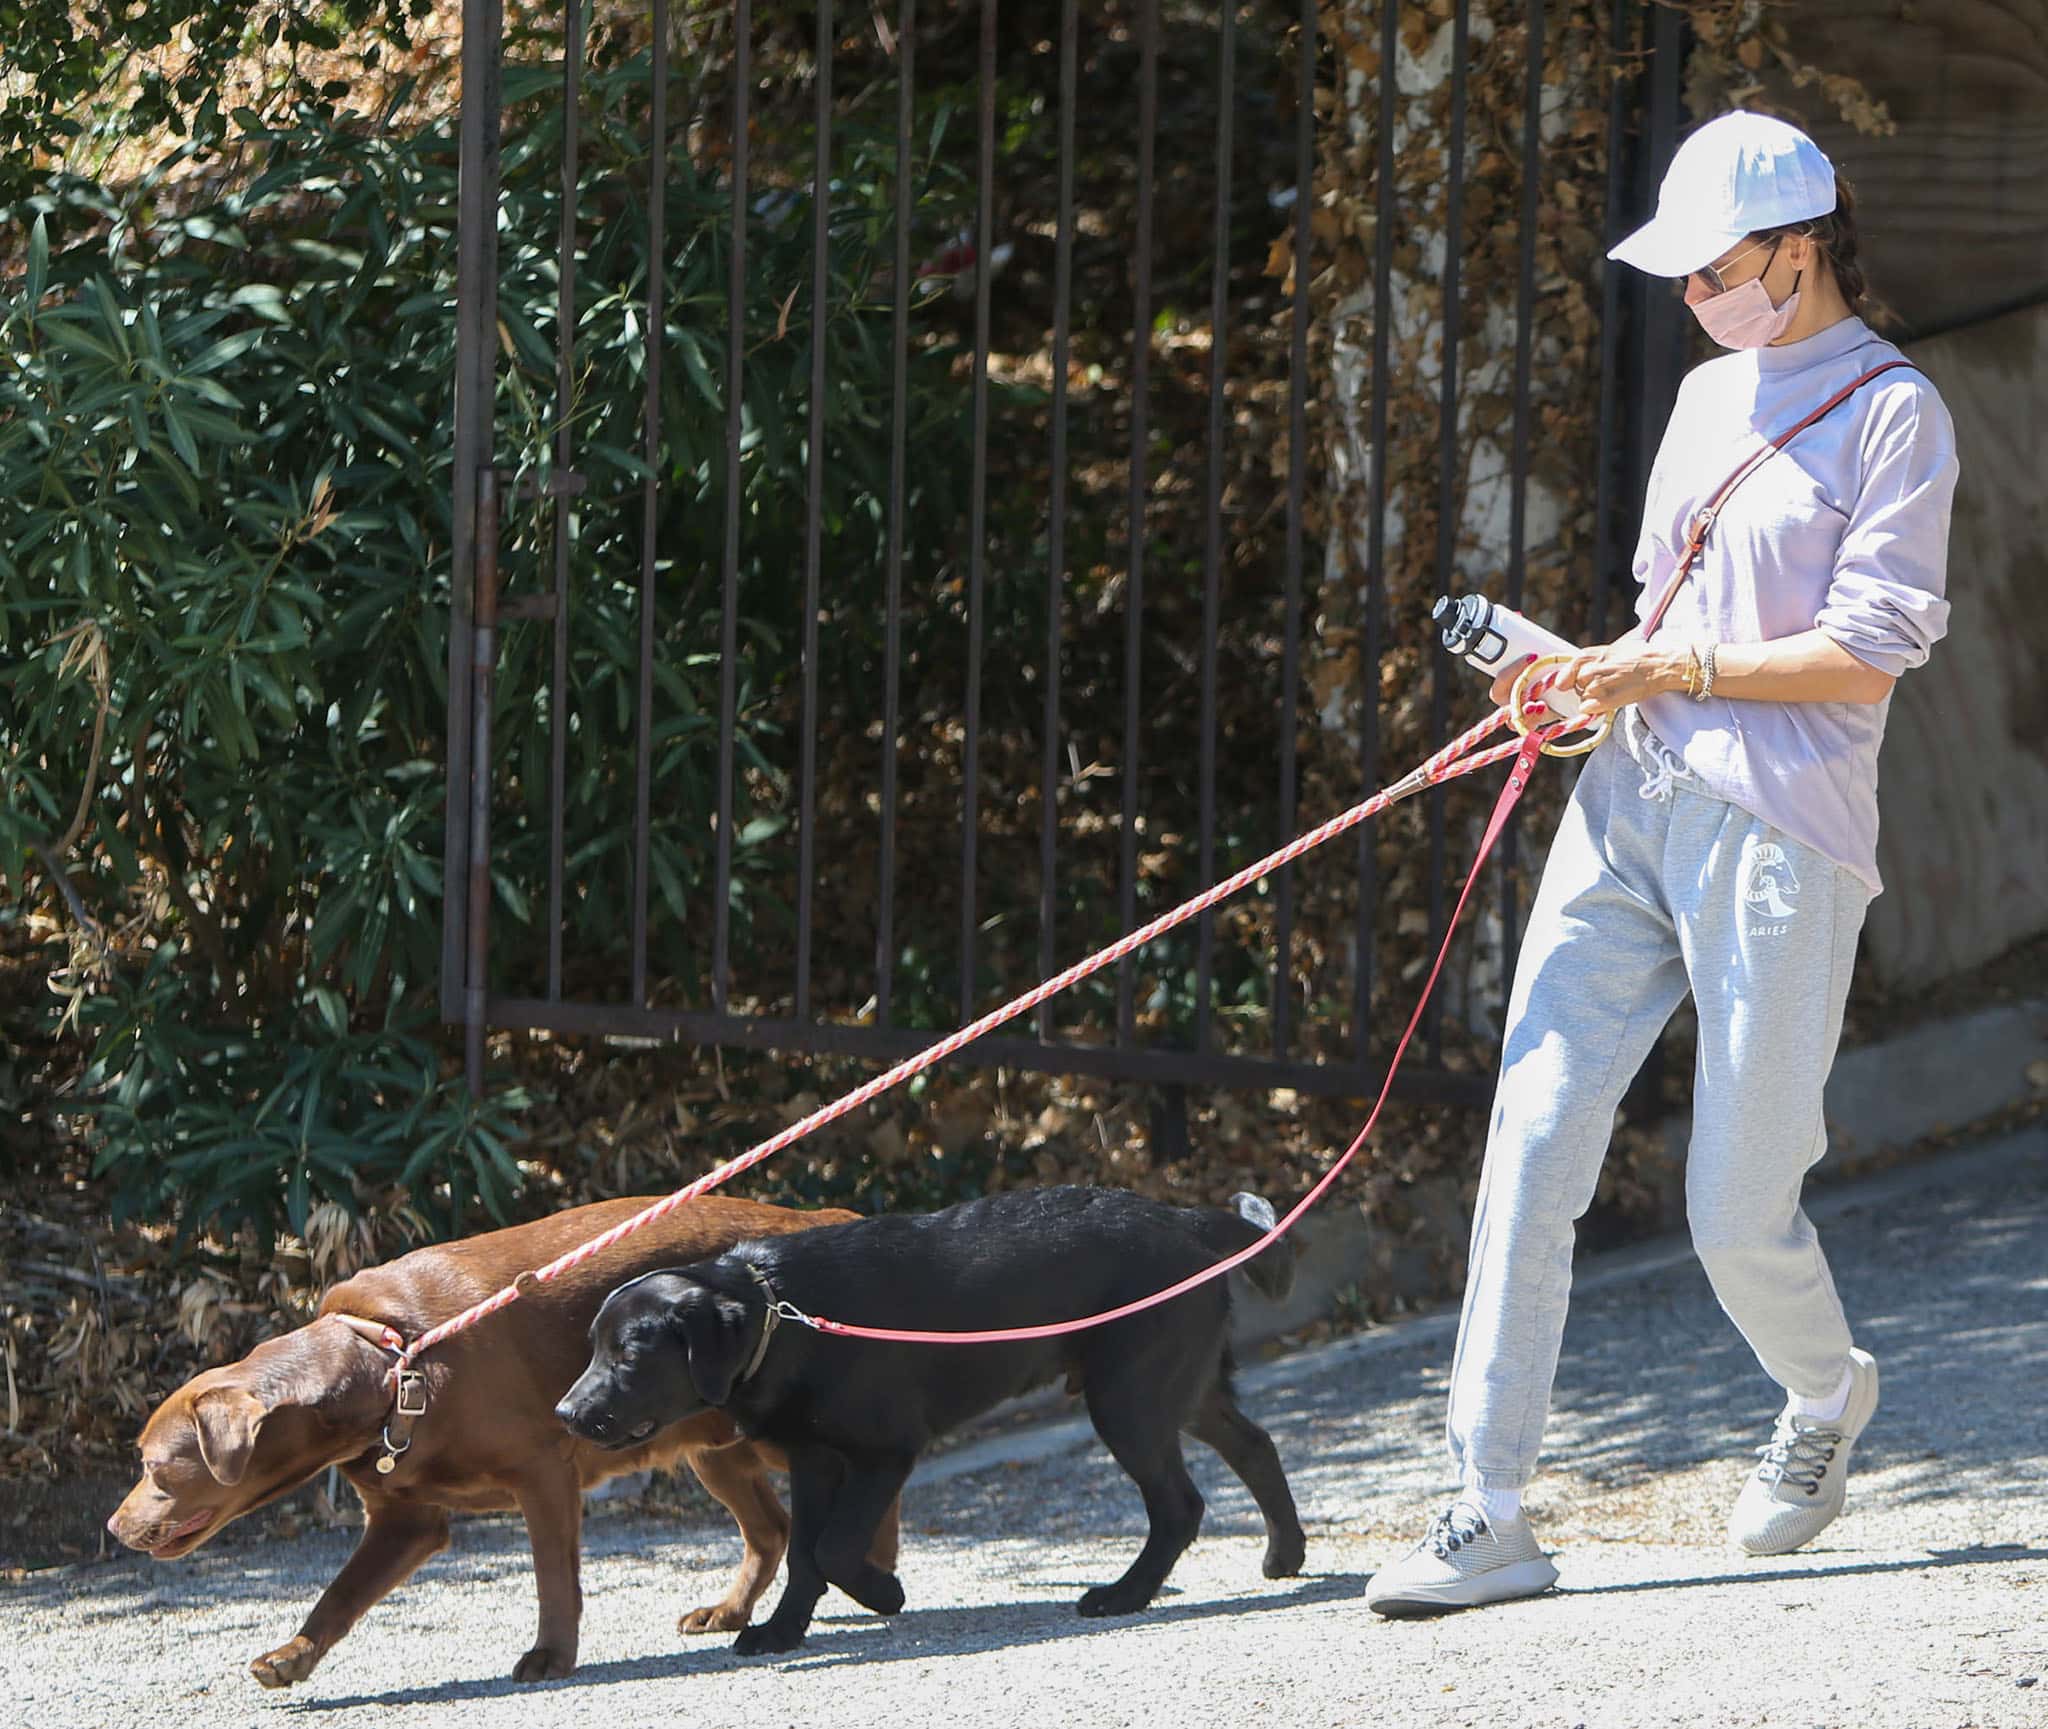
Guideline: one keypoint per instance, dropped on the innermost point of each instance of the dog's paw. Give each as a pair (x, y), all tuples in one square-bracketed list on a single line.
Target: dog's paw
[(882, 1592), (1284, 1555), (290, 1662), (766, 1640), (545, 1663), (1117, 1599), (712, 1618)]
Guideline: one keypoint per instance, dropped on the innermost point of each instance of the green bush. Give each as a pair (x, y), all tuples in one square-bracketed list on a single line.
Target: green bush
[(87, 75), (225, 443)]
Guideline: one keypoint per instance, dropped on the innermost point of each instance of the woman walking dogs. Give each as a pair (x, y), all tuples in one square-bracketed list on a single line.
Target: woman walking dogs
[(1722, 841)]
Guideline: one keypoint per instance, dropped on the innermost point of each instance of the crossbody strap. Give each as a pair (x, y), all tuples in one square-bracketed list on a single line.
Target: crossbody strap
[(1703, 522)]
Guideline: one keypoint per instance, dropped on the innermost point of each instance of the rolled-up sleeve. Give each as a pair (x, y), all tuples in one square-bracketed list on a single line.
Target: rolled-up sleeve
[(1888, 601)]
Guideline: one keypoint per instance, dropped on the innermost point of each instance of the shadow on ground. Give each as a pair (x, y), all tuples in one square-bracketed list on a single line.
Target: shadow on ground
[(911, 1636), (1945, 1286)]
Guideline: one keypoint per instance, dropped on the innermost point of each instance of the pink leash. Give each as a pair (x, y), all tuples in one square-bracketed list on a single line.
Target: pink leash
[(1518, 779), (1446, 764)]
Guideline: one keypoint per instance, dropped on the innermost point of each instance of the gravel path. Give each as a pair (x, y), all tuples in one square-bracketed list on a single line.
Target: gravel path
[(1925, 1608)]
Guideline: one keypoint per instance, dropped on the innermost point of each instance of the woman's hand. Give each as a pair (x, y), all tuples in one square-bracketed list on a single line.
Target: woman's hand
[(1625, 671), (1808, 667), (1610, 678)]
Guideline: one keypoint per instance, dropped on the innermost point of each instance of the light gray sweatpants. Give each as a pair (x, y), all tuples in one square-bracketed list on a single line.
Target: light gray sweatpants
[(1643, 898)]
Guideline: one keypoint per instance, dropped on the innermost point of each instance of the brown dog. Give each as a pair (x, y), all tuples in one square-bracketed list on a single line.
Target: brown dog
[(236, 1437)]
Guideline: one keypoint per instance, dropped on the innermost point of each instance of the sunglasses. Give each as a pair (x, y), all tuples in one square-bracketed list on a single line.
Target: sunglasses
[(1708, 274)]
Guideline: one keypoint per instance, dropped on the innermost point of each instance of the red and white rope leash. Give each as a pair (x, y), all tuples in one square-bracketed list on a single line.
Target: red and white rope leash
[(1518, 778), (1447, 764)]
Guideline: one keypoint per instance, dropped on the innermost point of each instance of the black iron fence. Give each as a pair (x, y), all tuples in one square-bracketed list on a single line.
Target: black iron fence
[(1020, 446)]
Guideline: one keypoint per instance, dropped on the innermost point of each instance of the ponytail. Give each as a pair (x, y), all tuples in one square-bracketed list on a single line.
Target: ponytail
[(1835, 235)]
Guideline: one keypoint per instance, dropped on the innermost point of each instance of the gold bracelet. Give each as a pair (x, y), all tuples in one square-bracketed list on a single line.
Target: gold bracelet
[(1692, 673)]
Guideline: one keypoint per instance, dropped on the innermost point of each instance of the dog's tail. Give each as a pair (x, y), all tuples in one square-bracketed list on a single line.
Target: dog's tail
[(1248, 1219)]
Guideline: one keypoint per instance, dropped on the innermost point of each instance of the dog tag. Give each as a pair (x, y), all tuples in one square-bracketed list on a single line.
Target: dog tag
[(387, 1464)]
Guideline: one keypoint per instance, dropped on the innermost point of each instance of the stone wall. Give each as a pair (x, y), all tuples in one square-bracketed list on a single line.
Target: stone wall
[(1952, 199), (1964, 778)]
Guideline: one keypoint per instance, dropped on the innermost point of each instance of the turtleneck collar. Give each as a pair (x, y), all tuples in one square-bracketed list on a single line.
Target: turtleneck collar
[(1815, 350)]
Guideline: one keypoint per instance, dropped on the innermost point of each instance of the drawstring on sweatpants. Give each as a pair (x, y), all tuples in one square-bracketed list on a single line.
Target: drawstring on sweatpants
[(1662, 767)]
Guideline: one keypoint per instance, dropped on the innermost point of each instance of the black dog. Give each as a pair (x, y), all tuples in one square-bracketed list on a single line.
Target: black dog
[(853, 1414)]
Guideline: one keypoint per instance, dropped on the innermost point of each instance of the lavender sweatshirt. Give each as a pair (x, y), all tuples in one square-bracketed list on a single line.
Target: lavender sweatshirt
[(1845, 529)]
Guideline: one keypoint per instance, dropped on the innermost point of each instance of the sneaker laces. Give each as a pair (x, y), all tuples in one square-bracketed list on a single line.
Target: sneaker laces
[(1799, 1456), (1457, 1525)]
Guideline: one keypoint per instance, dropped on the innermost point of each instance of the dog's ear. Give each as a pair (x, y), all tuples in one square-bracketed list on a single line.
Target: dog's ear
[(227, 1419), (714, 1330)]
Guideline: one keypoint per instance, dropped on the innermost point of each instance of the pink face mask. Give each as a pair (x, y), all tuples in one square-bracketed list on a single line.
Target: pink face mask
[(1743, 316)]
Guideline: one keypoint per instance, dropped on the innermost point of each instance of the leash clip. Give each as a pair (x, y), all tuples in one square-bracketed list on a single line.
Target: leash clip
[(775, 1310), (779, 1308)]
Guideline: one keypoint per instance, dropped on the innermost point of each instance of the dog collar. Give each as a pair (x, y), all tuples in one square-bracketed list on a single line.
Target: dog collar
[(771, 1318), (409, 1388)]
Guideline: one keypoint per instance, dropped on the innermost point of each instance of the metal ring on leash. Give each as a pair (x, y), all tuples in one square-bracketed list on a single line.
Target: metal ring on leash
[(1518, 699)]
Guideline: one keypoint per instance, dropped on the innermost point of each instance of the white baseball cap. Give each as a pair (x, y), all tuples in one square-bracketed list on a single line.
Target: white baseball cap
[(1735, 175)]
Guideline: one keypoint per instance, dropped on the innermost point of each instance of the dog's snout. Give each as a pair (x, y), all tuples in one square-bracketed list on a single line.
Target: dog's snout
[(590, 1419), (586, 1419)]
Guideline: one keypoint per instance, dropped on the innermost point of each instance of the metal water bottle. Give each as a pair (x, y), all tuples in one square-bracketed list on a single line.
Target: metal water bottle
[(1493, 639)]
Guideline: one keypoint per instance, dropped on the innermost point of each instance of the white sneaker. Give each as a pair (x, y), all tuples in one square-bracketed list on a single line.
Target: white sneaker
[(1798, 1487), (1461, 1562)]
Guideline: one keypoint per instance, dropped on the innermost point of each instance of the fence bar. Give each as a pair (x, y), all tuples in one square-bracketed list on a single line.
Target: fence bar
[(814, 508), (977, 527), (1449, 494), (1297, 492), (476, 293), (1056, 520), (1664, 317), (1631, 334), (1662, 323), (1386, 203), (735, 507), (1608, 577), (839, 1038), (1518, 498), (1212, 570), (483, 670), (565, 365), (1134, 589), (892, 602), (650, 489)]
